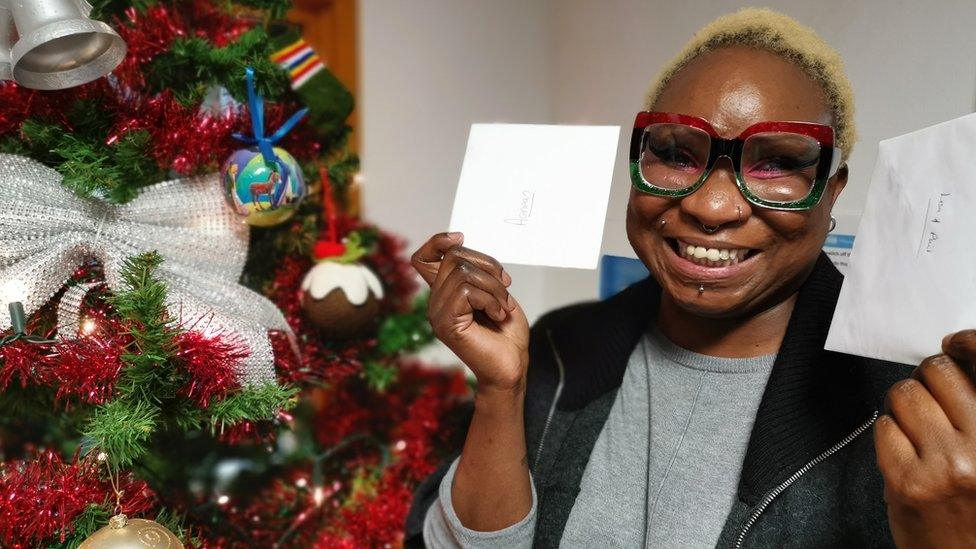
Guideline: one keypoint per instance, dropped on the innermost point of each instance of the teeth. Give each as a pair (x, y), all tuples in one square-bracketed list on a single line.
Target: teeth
[(711, 257)]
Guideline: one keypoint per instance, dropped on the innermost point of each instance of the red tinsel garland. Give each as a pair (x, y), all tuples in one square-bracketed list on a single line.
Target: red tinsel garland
[(86, 368), (19, 361), (211, 363), (40, 498)]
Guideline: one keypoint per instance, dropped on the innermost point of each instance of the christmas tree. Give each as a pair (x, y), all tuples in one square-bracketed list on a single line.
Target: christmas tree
[(203, 333)]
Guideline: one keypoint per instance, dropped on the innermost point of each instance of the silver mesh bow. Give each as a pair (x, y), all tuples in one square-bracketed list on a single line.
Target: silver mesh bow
[(46, 232)]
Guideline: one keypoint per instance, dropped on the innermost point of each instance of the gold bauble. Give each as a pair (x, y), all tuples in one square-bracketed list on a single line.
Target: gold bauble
[(126, 533)]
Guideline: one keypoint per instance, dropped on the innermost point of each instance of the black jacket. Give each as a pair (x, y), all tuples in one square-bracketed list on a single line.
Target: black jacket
[(809, 478)]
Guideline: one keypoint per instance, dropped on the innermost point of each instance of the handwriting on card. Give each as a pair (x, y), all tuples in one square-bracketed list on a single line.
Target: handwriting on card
[(527, 200), (934, 212)]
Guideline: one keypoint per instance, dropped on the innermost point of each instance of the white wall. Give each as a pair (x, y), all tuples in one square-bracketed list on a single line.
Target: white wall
[(432, 67)]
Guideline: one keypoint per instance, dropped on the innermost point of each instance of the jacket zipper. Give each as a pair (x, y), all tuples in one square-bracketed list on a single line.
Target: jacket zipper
[(555, 398), (772, 494)]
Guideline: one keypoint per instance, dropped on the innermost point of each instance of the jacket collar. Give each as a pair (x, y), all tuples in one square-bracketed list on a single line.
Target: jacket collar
[(813, 398)]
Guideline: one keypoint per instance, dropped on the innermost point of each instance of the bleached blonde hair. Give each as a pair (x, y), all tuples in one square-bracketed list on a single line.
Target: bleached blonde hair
[(780, 34)]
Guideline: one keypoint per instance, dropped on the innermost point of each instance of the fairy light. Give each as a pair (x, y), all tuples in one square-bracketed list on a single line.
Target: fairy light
[(13, 292), (88, 326), (222, 500), (318, 496)]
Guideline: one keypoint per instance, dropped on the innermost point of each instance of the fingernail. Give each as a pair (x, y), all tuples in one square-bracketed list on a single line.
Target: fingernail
[(946, 339), (506, 278), (455, 235)]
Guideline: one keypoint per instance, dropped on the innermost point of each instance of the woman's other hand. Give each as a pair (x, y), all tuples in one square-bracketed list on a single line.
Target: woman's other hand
[(473, 313), (926, 446)]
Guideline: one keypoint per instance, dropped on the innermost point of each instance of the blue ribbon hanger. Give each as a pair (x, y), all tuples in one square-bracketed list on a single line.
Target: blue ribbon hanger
[(265, 143)]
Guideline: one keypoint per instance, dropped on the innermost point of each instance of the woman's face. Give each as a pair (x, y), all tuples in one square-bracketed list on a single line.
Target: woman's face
[(733, 88)]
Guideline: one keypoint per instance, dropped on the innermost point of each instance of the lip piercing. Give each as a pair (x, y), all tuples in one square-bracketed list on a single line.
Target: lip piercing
[(701, 288)]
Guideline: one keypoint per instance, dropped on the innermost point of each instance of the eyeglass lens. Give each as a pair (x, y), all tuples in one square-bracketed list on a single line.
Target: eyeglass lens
[(774, 166)]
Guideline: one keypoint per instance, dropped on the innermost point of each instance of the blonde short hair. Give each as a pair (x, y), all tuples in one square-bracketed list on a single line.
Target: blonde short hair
[(782, 35)]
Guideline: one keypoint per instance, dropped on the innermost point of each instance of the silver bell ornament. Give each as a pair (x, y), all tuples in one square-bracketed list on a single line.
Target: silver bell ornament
[(6, 38), (59, 46)]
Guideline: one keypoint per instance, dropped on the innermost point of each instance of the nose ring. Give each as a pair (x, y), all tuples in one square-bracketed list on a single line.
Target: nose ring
[(709, 230)]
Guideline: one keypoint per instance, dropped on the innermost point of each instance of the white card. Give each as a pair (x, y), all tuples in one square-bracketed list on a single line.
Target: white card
[(536, 194), (912, 273)]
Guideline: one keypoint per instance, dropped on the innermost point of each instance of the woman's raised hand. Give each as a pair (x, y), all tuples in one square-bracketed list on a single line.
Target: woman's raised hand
[(472, 312), (926, 446)]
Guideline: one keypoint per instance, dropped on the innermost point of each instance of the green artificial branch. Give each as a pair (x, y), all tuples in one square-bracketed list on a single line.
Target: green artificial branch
[(84, 525), (194, 65), (378, 375), (274, 9), (150, 375), (106, 10), (121, 428), (252, 404), (406, 332), (91, 168)]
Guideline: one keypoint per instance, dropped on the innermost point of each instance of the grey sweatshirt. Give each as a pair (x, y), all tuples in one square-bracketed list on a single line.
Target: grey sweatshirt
[(671, 452)]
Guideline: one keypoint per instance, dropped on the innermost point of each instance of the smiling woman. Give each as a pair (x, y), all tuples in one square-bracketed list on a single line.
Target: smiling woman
[(698, 407)]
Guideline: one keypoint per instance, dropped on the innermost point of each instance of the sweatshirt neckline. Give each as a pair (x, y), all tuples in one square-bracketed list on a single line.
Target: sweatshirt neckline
[(707, 363)]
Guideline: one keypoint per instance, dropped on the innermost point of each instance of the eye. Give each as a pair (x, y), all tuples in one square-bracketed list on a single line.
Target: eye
[(779, 165), (673, 156)]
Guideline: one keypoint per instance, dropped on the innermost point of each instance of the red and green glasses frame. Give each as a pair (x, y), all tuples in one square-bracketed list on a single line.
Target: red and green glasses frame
[(826, 157)]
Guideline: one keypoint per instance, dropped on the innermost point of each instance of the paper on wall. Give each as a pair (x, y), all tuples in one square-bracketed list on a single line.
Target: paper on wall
[(536, 194), (912, 273), (840, 241)]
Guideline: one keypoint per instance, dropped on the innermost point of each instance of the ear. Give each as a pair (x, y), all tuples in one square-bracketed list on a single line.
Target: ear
[(837, 184)]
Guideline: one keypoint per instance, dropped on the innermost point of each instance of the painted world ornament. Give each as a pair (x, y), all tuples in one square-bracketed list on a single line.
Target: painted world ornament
[(265, 194), (125, 533)]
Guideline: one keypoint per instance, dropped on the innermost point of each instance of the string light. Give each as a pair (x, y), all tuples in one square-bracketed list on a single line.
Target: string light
[(88, 326), (13, 292)]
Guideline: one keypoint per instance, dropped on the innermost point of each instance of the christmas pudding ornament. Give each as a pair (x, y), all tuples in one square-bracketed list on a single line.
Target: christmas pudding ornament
[(59, 46), (340, 296), (263, 183), (125, 533)]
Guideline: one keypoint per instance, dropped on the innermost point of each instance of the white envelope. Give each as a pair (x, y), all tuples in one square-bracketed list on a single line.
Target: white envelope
[(912, 274), (536, 194)]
